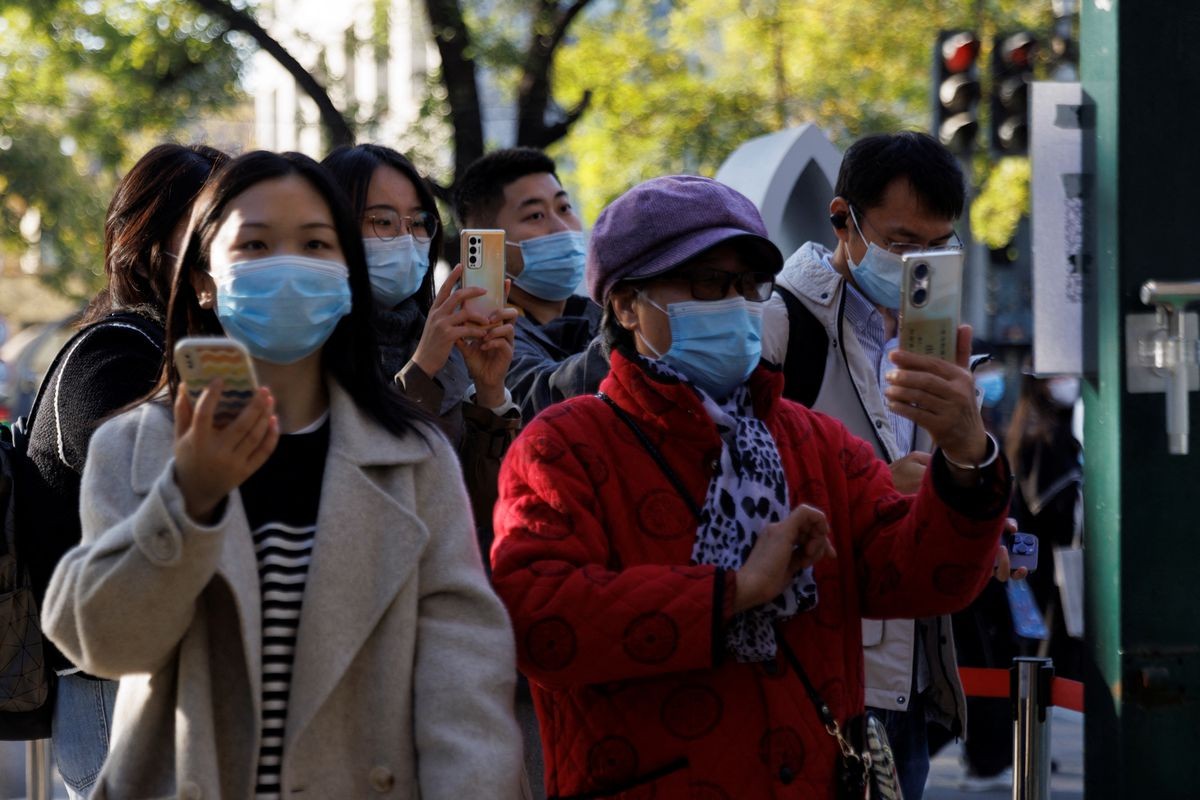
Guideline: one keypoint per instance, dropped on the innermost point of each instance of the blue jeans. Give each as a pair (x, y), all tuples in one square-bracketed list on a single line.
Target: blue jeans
[(81, 727), (906, 733)]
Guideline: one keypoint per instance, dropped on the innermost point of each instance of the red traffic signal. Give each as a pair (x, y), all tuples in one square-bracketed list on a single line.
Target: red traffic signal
[(1016, 50), (956, 89), (1012, 71), (959, 51)]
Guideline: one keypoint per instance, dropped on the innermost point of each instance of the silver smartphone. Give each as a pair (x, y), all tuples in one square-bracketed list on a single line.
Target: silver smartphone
[(931, 303)]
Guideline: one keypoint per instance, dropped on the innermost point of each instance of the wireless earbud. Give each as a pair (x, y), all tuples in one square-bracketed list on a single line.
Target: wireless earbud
[(838, 220)]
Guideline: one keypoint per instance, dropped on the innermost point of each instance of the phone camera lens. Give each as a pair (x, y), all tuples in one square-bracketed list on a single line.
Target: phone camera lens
[(921, 271), (919, 297), (474, 249)]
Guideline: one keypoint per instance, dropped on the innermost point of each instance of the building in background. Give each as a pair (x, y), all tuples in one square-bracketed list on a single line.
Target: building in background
[(377, 59)]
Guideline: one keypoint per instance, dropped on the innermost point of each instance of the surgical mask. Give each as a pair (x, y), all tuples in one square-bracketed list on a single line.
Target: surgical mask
[(282, 308), (1063, 391), (396, 268), (991, 388), (878, 274), (716, 344), (553, 264)]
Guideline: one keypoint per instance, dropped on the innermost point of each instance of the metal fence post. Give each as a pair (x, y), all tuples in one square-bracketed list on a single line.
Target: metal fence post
[(38, 784), (1030, 695)]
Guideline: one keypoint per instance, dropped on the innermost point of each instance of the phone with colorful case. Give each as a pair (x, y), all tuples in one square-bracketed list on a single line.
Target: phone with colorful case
[(483, 266), (931, 303), (202, 359)]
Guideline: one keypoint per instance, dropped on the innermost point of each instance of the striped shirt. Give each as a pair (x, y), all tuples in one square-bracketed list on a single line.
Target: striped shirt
[(281, 502)]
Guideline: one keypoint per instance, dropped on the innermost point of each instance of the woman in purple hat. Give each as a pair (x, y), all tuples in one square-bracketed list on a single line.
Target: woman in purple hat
[(687, 556)]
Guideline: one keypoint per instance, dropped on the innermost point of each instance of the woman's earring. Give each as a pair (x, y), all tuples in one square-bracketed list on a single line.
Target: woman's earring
[(206, 300)]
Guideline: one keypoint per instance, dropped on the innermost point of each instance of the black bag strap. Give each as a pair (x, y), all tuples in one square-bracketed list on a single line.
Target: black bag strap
[(832, 727), (672, 476), (820, 705), (807, 348)]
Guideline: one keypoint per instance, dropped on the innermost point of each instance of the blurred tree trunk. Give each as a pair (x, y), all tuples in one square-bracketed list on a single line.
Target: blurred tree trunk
[(540, 121)]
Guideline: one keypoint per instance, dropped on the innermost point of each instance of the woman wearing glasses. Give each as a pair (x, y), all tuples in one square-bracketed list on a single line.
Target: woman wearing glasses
[(450, 362), (687, 557)]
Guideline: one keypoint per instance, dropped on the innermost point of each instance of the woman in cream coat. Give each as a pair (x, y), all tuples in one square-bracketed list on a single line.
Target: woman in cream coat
[(403, 669)]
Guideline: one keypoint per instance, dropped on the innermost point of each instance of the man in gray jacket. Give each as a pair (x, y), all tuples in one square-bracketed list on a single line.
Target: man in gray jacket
[(556, 353), (896, 193)]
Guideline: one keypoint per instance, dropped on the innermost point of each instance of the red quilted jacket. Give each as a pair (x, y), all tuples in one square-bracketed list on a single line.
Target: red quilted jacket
[(621, 636)]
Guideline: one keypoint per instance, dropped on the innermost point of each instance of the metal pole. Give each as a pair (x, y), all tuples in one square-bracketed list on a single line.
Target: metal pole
[(1031, 679), (37, 770)]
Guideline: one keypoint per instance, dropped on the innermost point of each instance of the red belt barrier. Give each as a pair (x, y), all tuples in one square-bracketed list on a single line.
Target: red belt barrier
[(979, 682)]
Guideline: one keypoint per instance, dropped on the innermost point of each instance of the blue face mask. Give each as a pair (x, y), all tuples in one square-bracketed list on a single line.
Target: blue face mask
[(282, 308), (396, 267), (878, 275), (716, 344), (553, 265), (990, 386)]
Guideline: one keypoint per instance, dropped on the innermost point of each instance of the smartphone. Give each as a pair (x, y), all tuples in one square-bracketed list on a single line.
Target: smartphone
[(931, 303), (483, 266), (202, 359), (1022, 550)]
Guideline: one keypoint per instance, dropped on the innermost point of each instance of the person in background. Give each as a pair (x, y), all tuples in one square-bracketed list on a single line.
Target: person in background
[(448, 362), (831, 326), (112, 361), (1048, 466), (676, 552), (293, 602), (557, 352)]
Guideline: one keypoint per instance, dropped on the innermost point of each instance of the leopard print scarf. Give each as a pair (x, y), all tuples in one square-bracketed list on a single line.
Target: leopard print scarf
[(748, 491)]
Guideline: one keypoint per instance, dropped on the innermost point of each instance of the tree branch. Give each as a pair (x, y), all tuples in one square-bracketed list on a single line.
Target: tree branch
[(552, 133), (458, 76), (533, 96), (336, 127)]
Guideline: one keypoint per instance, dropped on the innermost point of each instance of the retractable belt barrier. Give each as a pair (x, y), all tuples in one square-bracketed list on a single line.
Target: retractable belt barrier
[(980, 682), (1031, 688)]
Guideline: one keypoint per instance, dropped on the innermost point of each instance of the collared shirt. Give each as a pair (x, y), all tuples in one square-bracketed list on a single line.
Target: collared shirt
[(867, 322)]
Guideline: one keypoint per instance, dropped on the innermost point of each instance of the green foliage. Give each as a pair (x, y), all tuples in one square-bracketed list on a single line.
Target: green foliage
[(678, 86), (84, 88), (1004, 198)]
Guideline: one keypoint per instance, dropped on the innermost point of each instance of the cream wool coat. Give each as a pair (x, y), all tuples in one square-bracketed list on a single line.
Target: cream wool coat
[(404, 670)]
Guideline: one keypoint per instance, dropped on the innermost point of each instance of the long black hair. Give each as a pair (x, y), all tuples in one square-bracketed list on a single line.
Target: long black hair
[(145, 209), (350, 355), (353, 166)]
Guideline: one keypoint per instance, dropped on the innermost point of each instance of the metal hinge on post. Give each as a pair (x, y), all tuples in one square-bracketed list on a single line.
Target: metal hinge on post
[(1161, 352)]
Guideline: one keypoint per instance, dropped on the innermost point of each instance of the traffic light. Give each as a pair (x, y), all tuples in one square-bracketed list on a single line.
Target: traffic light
[(1012, 71), (956, 90)]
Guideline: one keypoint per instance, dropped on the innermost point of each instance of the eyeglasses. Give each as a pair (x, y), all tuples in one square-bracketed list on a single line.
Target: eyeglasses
[(387, 225), (904, 248), (713, 284)]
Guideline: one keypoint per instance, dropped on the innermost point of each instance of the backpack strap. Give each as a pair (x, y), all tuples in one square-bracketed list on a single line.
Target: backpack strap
[(121, 319), (808, 345)]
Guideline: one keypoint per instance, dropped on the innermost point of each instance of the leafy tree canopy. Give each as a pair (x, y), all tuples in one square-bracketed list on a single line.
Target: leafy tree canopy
[(85, 88), (679, 85)]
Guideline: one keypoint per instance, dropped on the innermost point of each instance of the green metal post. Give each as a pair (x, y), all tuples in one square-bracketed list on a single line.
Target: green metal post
[(1140, 64)]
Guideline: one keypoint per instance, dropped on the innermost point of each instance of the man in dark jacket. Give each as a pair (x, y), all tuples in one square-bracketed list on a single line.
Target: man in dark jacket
[(557, 353)]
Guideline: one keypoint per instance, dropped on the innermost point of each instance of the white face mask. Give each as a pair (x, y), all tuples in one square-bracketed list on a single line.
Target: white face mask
[(1063, 391)]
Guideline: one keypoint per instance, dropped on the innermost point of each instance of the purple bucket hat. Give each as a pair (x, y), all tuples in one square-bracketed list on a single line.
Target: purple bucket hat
[(657, 225)]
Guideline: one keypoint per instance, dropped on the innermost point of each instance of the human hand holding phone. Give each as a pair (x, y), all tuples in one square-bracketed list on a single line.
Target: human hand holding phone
[(210, 462), (449, 321)]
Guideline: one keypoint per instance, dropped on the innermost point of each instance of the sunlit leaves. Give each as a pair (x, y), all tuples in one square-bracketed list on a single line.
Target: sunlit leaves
[(678, 86), (86, 86)]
